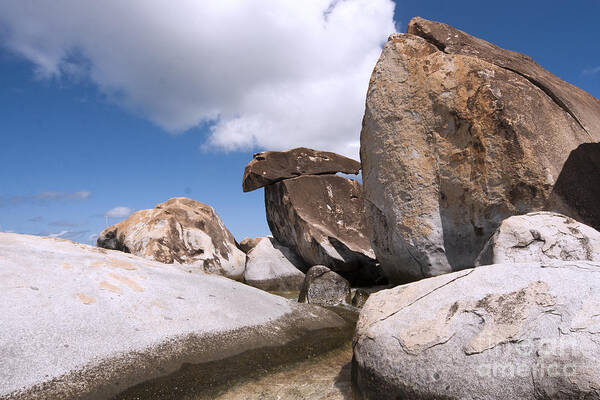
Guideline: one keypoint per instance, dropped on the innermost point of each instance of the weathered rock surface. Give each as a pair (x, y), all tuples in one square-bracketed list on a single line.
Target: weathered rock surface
[(541, 237), (324, 287), (458, 135), (271, 266), (322, 219), (180, 230), (505, 331), (85, 322), (273, 166)]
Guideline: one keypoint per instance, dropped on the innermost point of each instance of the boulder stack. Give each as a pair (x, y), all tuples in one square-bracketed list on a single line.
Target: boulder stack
[(314, 212), (180, 230), (458, 135)]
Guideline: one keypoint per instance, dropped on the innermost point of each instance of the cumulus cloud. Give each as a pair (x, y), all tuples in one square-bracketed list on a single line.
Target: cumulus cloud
[(118, 212), (260, 73), (44, 198)]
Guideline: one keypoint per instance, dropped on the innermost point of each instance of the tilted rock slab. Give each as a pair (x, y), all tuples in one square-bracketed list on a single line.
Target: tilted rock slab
[(322, 219), (541, 237), (84, 322), (271, 266), (180, 230), (505, 331), (273, 166), (458, 135)]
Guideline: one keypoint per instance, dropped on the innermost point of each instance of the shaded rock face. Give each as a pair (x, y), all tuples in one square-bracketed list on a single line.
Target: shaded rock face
[(577, 189), (273, 166), (541, 237), (321, 218), (360, 298), (324, 287), (505, 331), (82, 322), (271, 266), (458, 136), (179, 230)]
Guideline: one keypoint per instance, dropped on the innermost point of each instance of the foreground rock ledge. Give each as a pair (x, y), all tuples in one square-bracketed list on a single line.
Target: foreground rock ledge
[(504, 331), (84, 322)]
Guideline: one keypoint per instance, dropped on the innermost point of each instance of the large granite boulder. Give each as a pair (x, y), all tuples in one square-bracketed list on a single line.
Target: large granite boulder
[(81, 322), (322, 219), (541, 237), (324, 287), (271, 266), (273, 166), (180, 230), (457, 136), (507, 331)]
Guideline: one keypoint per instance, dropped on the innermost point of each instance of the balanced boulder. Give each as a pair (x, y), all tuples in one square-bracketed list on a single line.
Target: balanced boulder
[(541, 237), (458, 135), (271, 266), (507, 331), (322, 219), (324, 287), (273, 166), (182, 231), (82, 322)]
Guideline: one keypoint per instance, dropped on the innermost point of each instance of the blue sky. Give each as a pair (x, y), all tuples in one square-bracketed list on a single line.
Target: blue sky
[(79, 136)]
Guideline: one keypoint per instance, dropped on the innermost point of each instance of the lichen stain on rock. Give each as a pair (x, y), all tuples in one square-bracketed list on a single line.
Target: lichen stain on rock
[(129, 282), (85, 299), (109, 286), (506, 315)]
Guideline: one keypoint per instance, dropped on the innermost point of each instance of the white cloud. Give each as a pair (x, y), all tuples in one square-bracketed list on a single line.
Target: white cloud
[(118, 212), (266, 73)]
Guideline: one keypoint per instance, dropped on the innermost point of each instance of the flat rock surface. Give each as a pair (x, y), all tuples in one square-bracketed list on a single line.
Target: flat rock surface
[(504, 331), (541, 237), (456, 139), (322, 219), (273, 166), (182, 231), (85, 322)]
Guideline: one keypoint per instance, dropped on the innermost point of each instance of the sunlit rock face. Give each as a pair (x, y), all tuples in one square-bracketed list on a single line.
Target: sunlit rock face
[(541, 237), (180, 230), (458, 135), (271, 266)]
